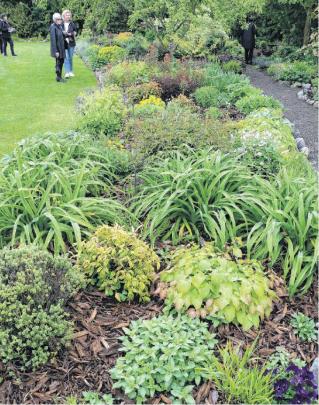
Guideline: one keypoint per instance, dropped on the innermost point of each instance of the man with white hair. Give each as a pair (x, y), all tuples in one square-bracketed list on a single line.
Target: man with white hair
[(58, 45)]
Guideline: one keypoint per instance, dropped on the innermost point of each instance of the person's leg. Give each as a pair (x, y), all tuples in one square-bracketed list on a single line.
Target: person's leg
[(67, 65), (246, 55), (251, 54), (11, 47), (1, 51), (4, 46), (71, 53)]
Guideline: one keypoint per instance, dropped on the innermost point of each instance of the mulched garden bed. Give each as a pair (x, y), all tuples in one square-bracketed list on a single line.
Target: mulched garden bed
[(98, 326)]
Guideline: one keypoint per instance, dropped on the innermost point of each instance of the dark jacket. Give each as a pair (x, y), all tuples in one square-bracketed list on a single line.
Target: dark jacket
[(57, 41), (4, 29), (71, 30), (248, 36)]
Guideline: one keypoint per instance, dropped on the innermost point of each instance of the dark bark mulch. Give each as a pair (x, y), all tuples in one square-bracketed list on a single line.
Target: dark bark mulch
[(94, 350)]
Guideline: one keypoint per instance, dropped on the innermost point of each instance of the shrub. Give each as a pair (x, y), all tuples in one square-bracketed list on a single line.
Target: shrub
[(213, 113), (118, 263), (237, 380), (139, 92), (34, 287), (103, 112), (232, 66), (111, 54), (209, 96), (251, 103), (173, 85), (179, 349), (304, 327), (297, 386), (122, 38), (91, 55), (152, 100), (170, 129), (51, 187), (129, 73), (209, 284), (294, 72)]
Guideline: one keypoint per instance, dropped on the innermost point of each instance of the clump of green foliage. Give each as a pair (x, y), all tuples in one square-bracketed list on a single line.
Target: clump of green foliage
[(118, 263), (304, 327), (298, 71), (164, 354), (34, 287), (100, 56), (232, 66), (237, 379), (251, 103), (102, 112), (51, 190), (210, 284), (139, 92), (129, 73), (209, 96), (280, 360)]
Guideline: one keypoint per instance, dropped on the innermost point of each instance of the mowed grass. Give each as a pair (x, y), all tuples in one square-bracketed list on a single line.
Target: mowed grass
[(32, 102)]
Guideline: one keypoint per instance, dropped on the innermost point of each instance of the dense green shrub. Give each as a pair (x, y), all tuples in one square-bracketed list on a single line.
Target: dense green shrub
[(111, 54), (103, 112), (237, 379), (210, 284), (51, 187), (170, 129), (139, 92), (299, 71), (213, 196), (164, 354), (232, 66), (209, 96), (129, 73), (251, 103), (118, 263), (34, 287)]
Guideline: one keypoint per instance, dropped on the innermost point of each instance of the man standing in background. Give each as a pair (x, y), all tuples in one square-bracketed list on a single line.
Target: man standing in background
[(248, 39), (6, 31)]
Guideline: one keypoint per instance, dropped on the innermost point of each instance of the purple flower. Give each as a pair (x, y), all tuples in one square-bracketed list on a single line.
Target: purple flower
[(292, 367), (281, 387)]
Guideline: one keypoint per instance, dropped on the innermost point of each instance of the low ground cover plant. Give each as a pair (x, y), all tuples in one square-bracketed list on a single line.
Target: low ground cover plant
[(34, 287), (280, 360), (304, 327), (298, 71), (163, 355), (129, 73), (237, 379), (55, 191), (102, 112), (119, 264), (207, 283), (252, 103), (232, 66)]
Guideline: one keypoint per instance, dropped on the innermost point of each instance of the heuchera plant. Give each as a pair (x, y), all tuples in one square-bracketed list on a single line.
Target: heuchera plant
[(296, 387)]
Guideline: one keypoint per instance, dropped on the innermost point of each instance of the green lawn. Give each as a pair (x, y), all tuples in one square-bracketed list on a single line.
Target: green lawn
[(32, 102)]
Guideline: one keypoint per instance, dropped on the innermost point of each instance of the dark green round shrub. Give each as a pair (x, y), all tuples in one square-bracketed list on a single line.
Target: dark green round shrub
[(34, 287)]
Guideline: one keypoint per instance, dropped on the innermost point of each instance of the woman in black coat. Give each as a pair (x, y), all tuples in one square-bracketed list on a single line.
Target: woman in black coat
[(58, 45), (6, 38), (248, 39)]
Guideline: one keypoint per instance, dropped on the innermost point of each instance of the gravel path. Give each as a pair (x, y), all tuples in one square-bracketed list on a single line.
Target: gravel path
[(303, 115)]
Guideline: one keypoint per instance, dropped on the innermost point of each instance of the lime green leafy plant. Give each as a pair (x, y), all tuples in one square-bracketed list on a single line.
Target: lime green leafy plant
[(237, 379), (119, 263), (163, 355), (251, 103), (211, 284)]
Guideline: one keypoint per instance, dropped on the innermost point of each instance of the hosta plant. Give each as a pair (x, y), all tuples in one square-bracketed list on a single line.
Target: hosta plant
[(34, 286), (206, 283), (118, 263), (163, 355)]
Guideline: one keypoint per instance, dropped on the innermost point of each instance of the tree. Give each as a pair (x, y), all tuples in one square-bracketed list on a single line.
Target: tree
[(309, 6)]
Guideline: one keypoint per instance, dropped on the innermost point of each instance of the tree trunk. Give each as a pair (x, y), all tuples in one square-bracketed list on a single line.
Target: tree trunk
[(307, 27)]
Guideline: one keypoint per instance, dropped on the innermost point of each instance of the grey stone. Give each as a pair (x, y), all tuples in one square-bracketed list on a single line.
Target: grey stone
[(309, 101), (300, 143), (307, 86), (316, 104), (305, 151), (296, 84), (314, 369), (300, 95)]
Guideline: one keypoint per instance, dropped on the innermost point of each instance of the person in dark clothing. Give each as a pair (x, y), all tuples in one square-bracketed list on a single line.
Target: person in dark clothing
[(248, 39), (58, 45), (1, 35), (6, 31)]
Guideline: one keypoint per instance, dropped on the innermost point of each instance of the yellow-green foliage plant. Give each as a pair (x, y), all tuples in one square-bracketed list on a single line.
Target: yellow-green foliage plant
[(207, 283), (111, 54), (119, 264)]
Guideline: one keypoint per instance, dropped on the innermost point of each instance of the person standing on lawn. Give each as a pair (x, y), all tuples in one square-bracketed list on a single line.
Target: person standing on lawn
[(248, 39), (6, 30), (69, 30), (58, 45), (1, 35)]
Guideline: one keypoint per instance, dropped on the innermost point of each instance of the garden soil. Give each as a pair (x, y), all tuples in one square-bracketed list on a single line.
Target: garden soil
[(303, 115), (95, 347)]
